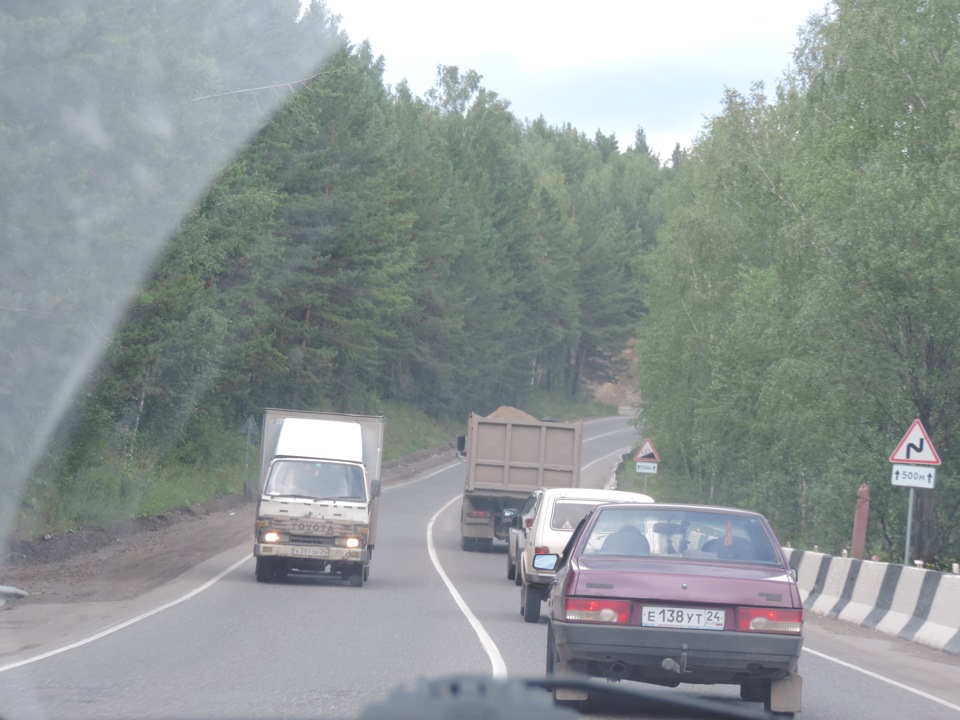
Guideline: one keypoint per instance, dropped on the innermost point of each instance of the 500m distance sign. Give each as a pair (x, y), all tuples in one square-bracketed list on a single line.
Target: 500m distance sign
[(915, 459), (647, 458)]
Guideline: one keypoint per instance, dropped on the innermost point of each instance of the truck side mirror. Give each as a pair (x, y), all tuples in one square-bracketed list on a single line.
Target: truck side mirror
[(374, 488), (461, 444)]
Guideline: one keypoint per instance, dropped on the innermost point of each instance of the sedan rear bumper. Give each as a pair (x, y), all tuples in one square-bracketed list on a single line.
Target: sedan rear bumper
[(669, 656)]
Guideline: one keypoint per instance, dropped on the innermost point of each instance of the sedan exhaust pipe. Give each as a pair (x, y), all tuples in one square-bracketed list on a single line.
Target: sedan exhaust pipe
[(616, 670)]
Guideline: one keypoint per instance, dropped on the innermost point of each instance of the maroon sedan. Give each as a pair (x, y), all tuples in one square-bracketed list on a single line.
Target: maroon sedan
[(667, 594)]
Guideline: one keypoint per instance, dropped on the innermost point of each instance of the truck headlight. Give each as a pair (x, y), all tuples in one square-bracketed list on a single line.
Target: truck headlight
[(352, 542), (270, 536)]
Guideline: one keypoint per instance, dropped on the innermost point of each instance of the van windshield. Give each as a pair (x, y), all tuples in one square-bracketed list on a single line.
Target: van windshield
[(318, 480)]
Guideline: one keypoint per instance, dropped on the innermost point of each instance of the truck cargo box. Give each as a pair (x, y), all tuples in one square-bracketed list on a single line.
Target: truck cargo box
[(522, 455), (509, 454)]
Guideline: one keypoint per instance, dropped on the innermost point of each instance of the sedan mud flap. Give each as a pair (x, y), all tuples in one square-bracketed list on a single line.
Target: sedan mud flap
[(785, 694), (569, 695)]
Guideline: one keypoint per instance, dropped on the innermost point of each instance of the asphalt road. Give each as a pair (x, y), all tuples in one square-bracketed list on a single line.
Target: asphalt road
[(318, 648)]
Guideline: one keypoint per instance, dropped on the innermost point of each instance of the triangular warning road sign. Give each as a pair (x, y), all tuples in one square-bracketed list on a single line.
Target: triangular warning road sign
[(915, 447), (646, 452)]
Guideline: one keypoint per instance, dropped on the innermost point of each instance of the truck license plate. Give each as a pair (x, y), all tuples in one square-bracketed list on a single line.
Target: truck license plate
[(320, 552), (685, 618)]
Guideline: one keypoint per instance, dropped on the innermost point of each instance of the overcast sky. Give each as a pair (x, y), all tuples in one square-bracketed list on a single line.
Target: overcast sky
[(612, 65)]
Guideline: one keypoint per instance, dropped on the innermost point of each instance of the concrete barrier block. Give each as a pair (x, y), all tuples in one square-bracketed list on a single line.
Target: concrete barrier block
[(807, 565), (942, 615), (832, 588), (864, 593), (914, 604), (904, 601)]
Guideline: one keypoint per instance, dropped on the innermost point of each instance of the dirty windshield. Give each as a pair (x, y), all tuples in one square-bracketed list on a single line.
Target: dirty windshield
[(729, 231), (319, 480)]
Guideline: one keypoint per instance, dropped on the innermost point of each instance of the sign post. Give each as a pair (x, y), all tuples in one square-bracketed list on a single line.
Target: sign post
[(250, 428), (914, 466)]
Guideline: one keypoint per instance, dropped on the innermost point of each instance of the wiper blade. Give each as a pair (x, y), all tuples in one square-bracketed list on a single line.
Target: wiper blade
[(524, 698), (654, 701)]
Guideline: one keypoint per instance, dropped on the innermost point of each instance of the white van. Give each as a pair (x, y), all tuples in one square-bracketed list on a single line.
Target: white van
[(545, 523)]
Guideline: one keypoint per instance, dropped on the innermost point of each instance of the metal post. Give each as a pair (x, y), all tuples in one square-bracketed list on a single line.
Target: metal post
[(247, 492), (249, 427), (906, 543), (861, 515)]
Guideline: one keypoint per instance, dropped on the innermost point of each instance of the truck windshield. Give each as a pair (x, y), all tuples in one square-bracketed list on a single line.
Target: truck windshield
[(318, 480)]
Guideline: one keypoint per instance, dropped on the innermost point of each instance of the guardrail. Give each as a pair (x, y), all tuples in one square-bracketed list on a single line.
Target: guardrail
[(911, 603)]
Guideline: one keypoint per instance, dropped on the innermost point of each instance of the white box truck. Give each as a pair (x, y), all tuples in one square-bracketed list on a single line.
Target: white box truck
[(319, 494)]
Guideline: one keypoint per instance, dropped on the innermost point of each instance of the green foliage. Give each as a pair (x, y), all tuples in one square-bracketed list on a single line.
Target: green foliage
[(791, 278), (180, 485), (564, 407), (801, 294), (410, 430), (367, 250)]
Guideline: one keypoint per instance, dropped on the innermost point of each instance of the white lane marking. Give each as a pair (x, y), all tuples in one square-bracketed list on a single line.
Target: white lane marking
[(615, 453), (417, 479), (613, 432), (126, 623), (621, 451), (499, 667), (881, 678)]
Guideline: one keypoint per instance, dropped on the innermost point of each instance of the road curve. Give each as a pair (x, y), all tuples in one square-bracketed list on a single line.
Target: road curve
[(318, 648)]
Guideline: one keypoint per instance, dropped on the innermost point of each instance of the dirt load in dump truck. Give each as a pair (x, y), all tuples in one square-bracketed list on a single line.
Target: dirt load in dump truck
[(509, 454), (319, 494)]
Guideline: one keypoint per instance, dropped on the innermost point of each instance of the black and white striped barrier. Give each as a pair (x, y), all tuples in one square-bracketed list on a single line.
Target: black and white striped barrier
[(913, 604)]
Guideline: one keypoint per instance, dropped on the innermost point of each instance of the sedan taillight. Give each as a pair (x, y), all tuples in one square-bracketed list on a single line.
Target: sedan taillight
[(769, 620), (597, 610)]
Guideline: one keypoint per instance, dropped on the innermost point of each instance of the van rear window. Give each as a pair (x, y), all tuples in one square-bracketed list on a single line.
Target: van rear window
[(567, 513)]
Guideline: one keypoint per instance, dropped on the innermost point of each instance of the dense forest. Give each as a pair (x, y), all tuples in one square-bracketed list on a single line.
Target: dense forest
[(789, 279), (802, 293)]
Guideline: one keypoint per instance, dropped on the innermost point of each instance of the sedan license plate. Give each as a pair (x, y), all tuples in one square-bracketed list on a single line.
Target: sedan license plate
[(320, 552), (683, 618)]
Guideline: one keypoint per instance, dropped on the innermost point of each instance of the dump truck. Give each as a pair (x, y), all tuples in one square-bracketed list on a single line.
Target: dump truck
[(319, 494), (508, 455)]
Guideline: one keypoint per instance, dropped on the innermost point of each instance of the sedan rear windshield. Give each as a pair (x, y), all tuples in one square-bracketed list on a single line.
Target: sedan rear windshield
[(679, 533)]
